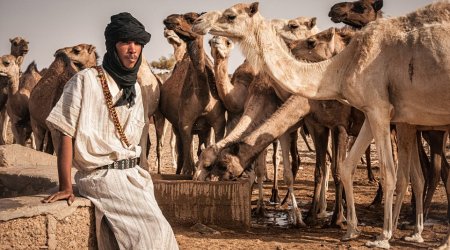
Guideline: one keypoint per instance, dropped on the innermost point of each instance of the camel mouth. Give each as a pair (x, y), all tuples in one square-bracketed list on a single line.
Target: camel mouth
[(3, 74), (78, 65), (200, 30)]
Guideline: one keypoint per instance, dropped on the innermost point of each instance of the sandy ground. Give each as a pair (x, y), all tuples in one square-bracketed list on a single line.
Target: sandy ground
[(274, 231)]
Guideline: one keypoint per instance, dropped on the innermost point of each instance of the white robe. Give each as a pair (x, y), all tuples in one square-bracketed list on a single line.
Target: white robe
[(125, 197)]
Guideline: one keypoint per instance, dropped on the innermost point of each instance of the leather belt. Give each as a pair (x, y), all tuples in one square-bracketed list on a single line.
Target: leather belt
[(122, 164)]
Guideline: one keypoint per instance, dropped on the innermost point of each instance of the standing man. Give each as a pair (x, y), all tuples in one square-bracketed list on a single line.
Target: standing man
[(101, 117)]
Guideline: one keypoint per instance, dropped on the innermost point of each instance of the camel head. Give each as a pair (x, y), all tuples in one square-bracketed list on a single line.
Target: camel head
[(235, 22), (323, 45), (356, 14), (295, 29), (19, 46), (227, 166), (172, 37), (181, 24), (10, 66), (220, 47), (82, 56)]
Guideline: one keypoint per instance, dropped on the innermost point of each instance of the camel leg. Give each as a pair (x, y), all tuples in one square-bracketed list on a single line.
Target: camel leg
[(4, 120), (347, 171), (380, 124), (187, 167), (259, 171), (370, 175), (179, 149), (173, 151), (143, 143), (339, 141), (303, 134), (294, 152), (436, 141), (320, 136), (323, 193), (160, 129), (275, 199), (288, 176), (445, 177), (417, 183)]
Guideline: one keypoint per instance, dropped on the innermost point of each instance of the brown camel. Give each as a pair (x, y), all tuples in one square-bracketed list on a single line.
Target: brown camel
[(189, 97), (179, 49), (19, 47), (356, 14), (47, 91), (356, 69)]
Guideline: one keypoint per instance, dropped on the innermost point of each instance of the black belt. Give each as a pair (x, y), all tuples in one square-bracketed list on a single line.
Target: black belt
[(122, 164)]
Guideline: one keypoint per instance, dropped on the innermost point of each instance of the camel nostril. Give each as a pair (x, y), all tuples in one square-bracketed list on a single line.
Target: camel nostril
[(311, 43)]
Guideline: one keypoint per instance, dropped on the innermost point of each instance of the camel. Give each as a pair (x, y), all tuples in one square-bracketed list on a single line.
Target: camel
[(191, 91), (393, 97), (17, 106), (260, 102), (46, 93), (358, 14), (19, 47), (179, 49)]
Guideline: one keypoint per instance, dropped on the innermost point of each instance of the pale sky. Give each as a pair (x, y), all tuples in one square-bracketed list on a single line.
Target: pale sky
[(53, 24)]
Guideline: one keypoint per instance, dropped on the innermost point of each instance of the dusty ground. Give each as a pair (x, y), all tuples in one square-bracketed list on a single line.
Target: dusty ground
[(274, 232)]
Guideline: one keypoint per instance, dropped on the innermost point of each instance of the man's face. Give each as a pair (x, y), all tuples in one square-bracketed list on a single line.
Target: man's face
[(128, 53)]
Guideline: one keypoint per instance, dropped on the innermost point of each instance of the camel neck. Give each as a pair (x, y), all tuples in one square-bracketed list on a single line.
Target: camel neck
[(179, 51), (196, 53), (13, 84), (268, 52)]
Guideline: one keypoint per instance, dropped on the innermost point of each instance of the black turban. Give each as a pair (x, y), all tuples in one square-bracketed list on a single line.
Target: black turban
[(123, 27)]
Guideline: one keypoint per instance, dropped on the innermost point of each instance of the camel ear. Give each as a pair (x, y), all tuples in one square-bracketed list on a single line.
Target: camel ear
[(253, 9), (312, 23), (19, 60), (91, 48), (10, 40), (377, 5)]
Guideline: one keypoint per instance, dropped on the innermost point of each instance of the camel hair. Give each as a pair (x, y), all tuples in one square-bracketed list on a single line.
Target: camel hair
[(260, 102), (394, 97), (179, 49), (358, 14), (17, 105), (189, 98), (19, 47), (46, 93)]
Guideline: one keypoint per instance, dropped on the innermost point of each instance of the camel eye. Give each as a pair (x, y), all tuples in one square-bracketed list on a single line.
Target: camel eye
[(293, 26), (231, 17), (228, 43), (6, 63), (76, 50), (358, 8)]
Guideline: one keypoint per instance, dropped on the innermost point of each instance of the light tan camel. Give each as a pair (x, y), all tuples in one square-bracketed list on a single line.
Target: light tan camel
[(19, 47), (189, 97), (408, 41), (47, 91), (17, 105), (260, 103)]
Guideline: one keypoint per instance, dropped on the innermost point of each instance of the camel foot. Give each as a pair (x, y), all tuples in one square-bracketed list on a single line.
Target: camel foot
[(338, 225), (322, 215), (379, 244), (259, 212), (274, 199), (311, 220), (414, 238), (445, 245), (350, 235)]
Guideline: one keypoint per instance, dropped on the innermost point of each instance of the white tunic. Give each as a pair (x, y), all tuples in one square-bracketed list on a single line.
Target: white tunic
[(125, 197)]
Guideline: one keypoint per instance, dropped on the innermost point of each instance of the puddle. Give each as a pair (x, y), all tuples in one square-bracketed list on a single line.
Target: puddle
[(272, 219)]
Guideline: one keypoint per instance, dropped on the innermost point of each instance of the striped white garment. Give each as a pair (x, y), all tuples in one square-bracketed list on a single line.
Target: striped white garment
[(125, 197)]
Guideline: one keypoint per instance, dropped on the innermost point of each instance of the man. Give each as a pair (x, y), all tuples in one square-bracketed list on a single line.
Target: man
[(101, 117)]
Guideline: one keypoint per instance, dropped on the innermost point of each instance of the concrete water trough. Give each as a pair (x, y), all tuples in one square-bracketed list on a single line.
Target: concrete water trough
[(25, 222)]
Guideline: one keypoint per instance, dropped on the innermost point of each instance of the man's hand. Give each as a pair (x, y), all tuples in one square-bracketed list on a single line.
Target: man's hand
[(61, 195)]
